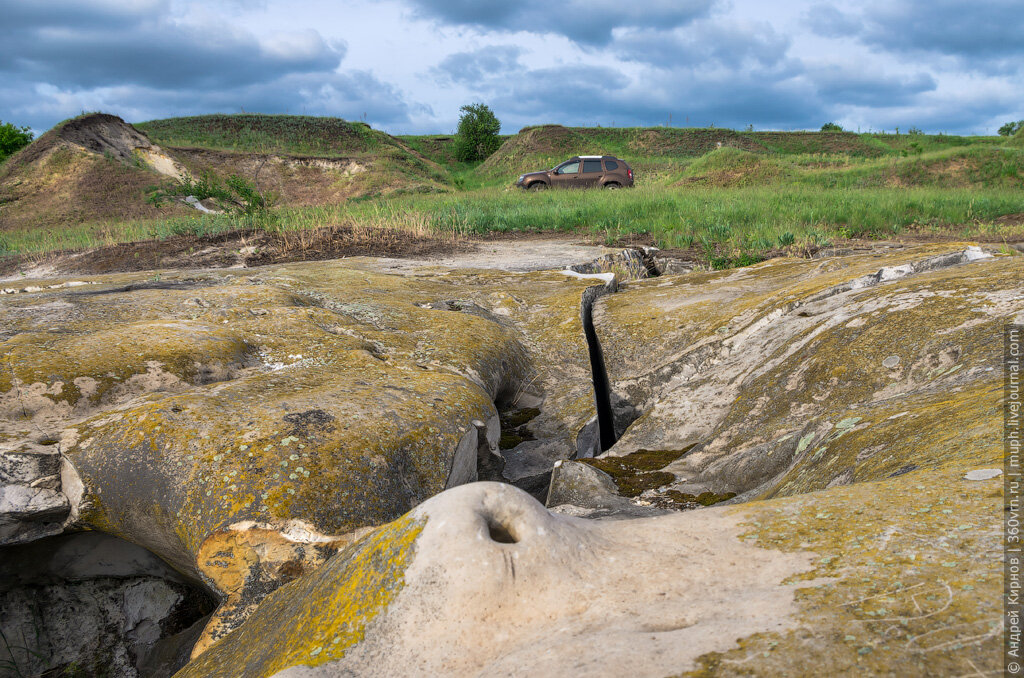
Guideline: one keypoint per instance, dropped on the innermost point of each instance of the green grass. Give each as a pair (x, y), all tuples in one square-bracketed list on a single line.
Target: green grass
[(721, 222), (744, 217), (254, 133)]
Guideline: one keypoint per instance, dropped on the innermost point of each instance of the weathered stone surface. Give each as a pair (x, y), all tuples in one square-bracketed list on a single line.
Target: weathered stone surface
[(328, 394), (778, 382), (27, 466), (579, 484), (888, 586), (18, 502), (481, 580), (32, 504), (776, 371)]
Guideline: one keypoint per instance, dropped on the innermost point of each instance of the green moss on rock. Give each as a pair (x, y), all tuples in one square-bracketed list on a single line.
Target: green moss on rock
[(639, 471)]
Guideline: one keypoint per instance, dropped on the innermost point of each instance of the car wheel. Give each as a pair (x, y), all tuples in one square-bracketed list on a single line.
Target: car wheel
[(612, 186), (537, 186)]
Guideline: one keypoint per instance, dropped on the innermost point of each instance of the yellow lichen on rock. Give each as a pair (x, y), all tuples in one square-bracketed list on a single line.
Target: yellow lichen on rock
[(793, 376), (317, 618), (248, 561), (327, 392), (909, 579)]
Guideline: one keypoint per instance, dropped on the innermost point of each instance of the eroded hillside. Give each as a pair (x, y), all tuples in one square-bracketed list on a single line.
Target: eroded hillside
[(97, 168)]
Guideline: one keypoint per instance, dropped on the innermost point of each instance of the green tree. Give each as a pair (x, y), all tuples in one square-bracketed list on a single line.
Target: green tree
[(1011, 128), (12, 139), (831, 127), (477, 136)]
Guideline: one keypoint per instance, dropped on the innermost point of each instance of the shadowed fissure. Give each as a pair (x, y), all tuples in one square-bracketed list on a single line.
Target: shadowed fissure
[(602, 387)]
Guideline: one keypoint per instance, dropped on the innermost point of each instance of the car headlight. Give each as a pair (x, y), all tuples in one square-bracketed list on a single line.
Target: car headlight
[(521, 177)]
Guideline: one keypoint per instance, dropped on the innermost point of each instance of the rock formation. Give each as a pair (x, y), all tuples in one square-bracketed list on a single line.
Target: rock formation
[(293, 440)]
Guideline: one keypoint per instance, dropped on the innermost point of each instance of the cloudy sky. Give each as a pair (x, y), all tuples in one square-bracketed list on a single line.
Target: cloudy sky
[(407, 65)]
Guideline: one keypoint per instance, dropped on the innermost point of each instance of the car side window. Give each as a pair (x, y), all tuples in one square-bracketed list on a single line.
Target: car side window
[(611, 165), (591, 166), (569, 168)]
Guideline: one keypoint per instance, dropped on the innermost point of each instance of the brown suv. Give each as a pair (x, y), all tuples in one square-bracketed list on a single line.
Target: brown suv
[(583, 171)]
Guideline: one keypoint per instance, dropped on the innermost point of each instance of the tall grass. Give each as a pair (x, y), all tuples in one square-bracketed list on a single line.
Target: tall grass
[(745, 219), (675, 217)]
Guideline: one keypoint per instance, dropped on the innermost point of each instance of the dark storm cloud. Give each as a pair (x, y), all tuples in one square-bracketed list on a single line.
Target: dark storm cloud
[(30, 14), (984, 34), (588, 22), (154, 52), (472, 67), (765, 98), (829, 22), (589, 95), (701, 44), (574, 92), (980, 28), (132, 57), (351, 95), (705, 73), (354, 93), (844, 85)]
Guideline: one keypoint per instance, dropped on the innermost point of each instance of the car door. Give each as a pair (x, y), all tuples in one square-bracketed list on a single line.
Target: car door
[(566, 175), (591, 172)]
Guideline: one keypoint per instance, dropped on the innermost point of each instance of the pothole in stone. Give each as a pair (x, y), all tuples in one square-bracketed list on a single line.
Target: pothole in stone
[(500, 532), (92, 604)]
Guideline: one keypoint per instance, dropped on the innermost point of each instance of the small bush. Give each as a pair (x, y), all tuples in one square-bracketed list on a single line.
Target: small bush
[(477, 135), (13, 139), (1011, 128), (831, 127), (237, 194)]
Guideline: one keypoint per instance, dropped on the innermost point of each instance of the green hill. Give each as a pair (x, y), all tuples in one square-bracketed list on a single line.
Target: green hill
[(271, 134)]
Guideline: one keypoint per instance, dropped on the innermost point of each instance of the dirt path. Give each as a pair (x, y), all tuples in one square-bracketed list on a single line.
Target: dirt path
[(399, 251)]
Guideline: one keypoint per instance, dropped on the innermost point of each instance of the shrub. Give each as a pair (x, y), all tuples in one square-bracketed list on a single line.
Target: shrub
[(477, 135), (237, 194), (831, 127), (13, 139), (1011, 128)]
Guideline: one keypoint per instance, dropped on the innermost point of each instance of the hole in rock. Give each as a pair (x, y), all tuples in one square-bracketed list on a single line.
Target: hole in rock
[(500, 532), (88, 603)]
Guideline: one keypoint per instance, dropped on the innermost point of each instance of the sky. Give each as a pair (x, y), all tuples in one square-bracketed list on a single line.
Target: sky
[(406, 66)]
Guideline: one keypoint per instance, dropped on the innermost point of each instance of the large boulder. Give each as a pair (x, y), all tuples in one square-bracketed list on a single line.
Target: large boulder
[(899, 577), (481, 580)]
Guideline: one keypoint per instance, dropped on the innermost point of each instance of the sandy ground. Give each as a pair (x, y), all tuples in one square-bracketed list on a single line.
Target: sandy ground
[(506, 255)]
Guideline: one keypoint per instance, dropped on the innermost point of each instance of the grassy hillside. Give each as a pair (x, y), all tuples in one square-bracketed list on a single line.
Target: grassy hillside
[(94, 171), (313, 160), (665, 153), (82, 170), (268, 134)]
